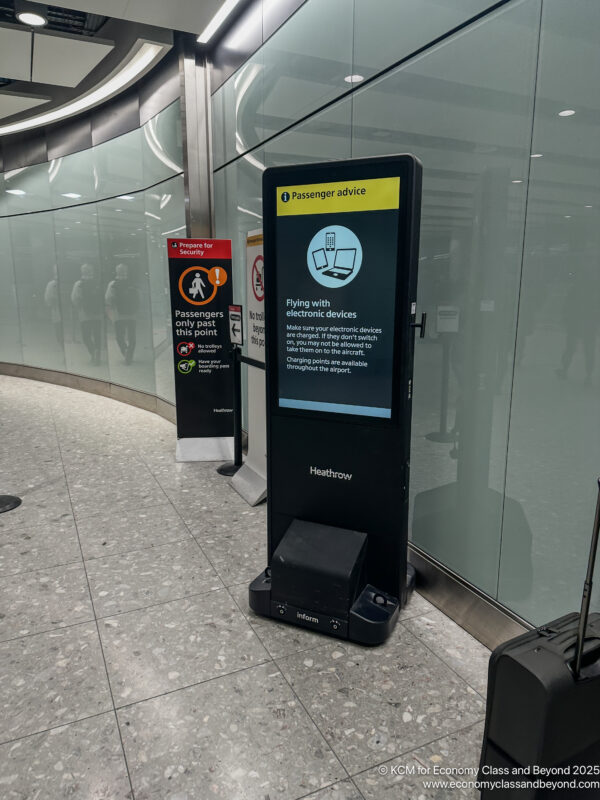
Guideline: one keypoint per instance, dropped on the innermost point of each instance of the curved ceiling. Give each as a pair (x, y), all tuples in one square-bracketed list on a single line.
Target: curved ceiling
[(79, 59)]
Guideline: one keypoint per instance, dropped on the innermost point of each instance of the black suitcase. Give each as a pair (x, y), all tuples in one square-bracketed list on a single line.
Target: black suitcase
[(542, 729)]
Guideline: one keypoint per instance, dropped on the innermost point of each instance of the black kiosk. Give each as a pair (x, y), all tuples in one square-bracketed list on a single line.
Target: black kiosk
[(341, 247)]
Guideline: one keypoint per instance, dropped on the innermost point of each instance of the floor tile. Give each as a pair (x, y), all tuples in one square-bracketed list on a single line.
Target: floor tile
[(279, 639), (458, 751), (177, 644), (237, 554), (112, 482), (32, 602), (243, 736), (51, 679), (464, 654), (23, 549), (191, 484), (120, 531), (416, 606), (373, 703), (345, 790), (80, 761), (45, 501), (144, 577)]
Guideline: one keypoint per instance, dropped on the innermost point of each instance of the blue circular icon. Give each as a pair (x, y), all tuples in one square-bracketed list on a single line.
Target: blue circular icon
[(334, 256)]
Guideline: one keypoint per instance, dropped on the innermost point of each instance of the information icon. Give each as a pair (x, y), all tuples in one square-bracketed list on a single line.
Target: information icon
[(334, 256)]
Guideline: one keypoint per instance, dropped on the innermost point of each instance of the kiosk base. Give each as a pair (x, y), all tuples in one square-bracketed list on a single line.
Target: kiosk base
[(316, 580)]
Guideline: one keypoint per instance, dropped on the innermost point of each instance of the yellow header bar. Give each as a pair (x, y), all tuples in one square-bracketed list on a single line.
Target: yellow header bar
[(375, 194)]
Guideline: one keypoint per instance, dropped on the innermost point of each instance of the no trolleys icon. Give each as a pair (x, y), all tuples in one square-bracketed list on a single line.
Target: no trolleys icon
[(258, 279)]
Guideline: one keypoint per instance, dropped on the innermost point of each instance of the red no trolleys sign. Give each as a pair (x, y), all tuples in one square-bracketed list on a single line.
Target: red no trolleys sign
[(258, 282)]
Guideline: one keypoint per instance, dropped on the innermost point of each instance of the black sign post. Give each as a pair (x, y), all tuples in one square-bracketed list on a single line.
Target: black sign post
[(200, 283), (341, 245)]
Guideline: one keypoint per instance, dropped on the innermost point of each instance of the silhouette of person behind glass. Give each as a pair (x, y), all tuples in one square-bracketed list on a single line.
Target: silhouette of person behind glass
[(87, 299), (580, 319), (52, 301), (122, 302)]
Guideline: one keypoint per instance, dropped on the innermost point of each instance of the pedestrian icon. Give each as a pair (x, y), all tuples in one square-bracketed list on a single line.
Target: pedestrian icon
[(197, 287), (334, 256)]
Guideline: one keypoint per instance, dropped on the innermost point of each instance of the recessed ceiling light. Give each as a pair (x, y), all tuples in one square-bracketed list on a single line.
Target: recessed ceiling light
[(71, 195), (354, 78), (126, 197), (134, 67), (517, 181), (34, 20), (216, 22), (568, 112), (567, 216), (537, 155), (32, 14), (589, 206), (15, 191)]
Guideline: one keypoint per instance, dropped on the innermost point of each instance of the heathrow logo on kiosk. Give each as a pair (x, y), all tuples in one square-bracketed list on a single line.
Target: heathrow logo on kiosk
[(330, 473)]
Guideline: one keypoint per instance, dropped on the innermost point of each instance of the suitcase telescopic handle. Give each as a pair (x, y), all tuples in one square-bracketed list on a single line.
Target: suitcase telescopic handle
[(587, 591)]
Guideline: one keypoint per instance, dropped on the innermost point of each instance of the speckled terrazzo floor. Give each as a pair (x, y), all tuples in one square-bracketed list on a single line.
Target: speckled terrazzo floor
[(131, 666)]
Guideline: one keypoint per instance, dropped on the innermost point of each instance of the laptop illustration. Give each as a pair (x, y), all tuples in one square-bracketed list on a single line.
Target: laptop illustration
[(320, 258), (343, 265)]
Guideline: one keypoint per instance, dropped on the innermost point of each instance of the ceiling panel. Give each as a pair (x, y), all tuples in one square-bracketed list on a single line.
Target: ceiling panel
[(11, 103), (15, 53), (180, 15), (65, 61)]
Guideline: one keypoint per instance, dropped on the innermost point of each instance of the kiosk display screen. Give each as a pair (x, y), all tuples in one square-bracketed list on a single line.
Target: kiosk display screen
[(337, 245)]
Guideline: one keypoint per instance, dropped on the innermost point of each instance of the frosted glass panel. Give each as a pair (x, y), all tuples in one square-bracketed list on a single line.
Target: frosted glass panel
[(159, 224), (118, 166), (81, 294), (324, 137), (299, 69), (305, 63), (162, 148), (236, 124), (386, 31), (10, 334), (27, 189), (126, 288), (72, 179), (85, 286), (555, 433), (34, 261), (465, 111)]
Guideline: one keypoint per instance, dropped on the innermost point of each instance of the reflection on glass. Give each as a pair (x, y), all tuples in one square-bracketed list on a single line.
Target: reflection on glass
[(125, 272), (10, 335), (52, 301), (86, 297), (122, 305)]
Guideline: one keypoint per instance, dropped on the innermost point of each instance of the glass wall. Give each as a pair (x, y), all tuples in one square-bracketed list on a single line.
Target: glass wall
[(84, 264), (504, 426)]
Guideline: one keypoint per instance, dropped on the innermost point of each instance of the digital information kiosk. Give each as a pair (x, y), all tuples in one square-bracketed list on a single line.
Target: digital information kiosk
[(341, 245)]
